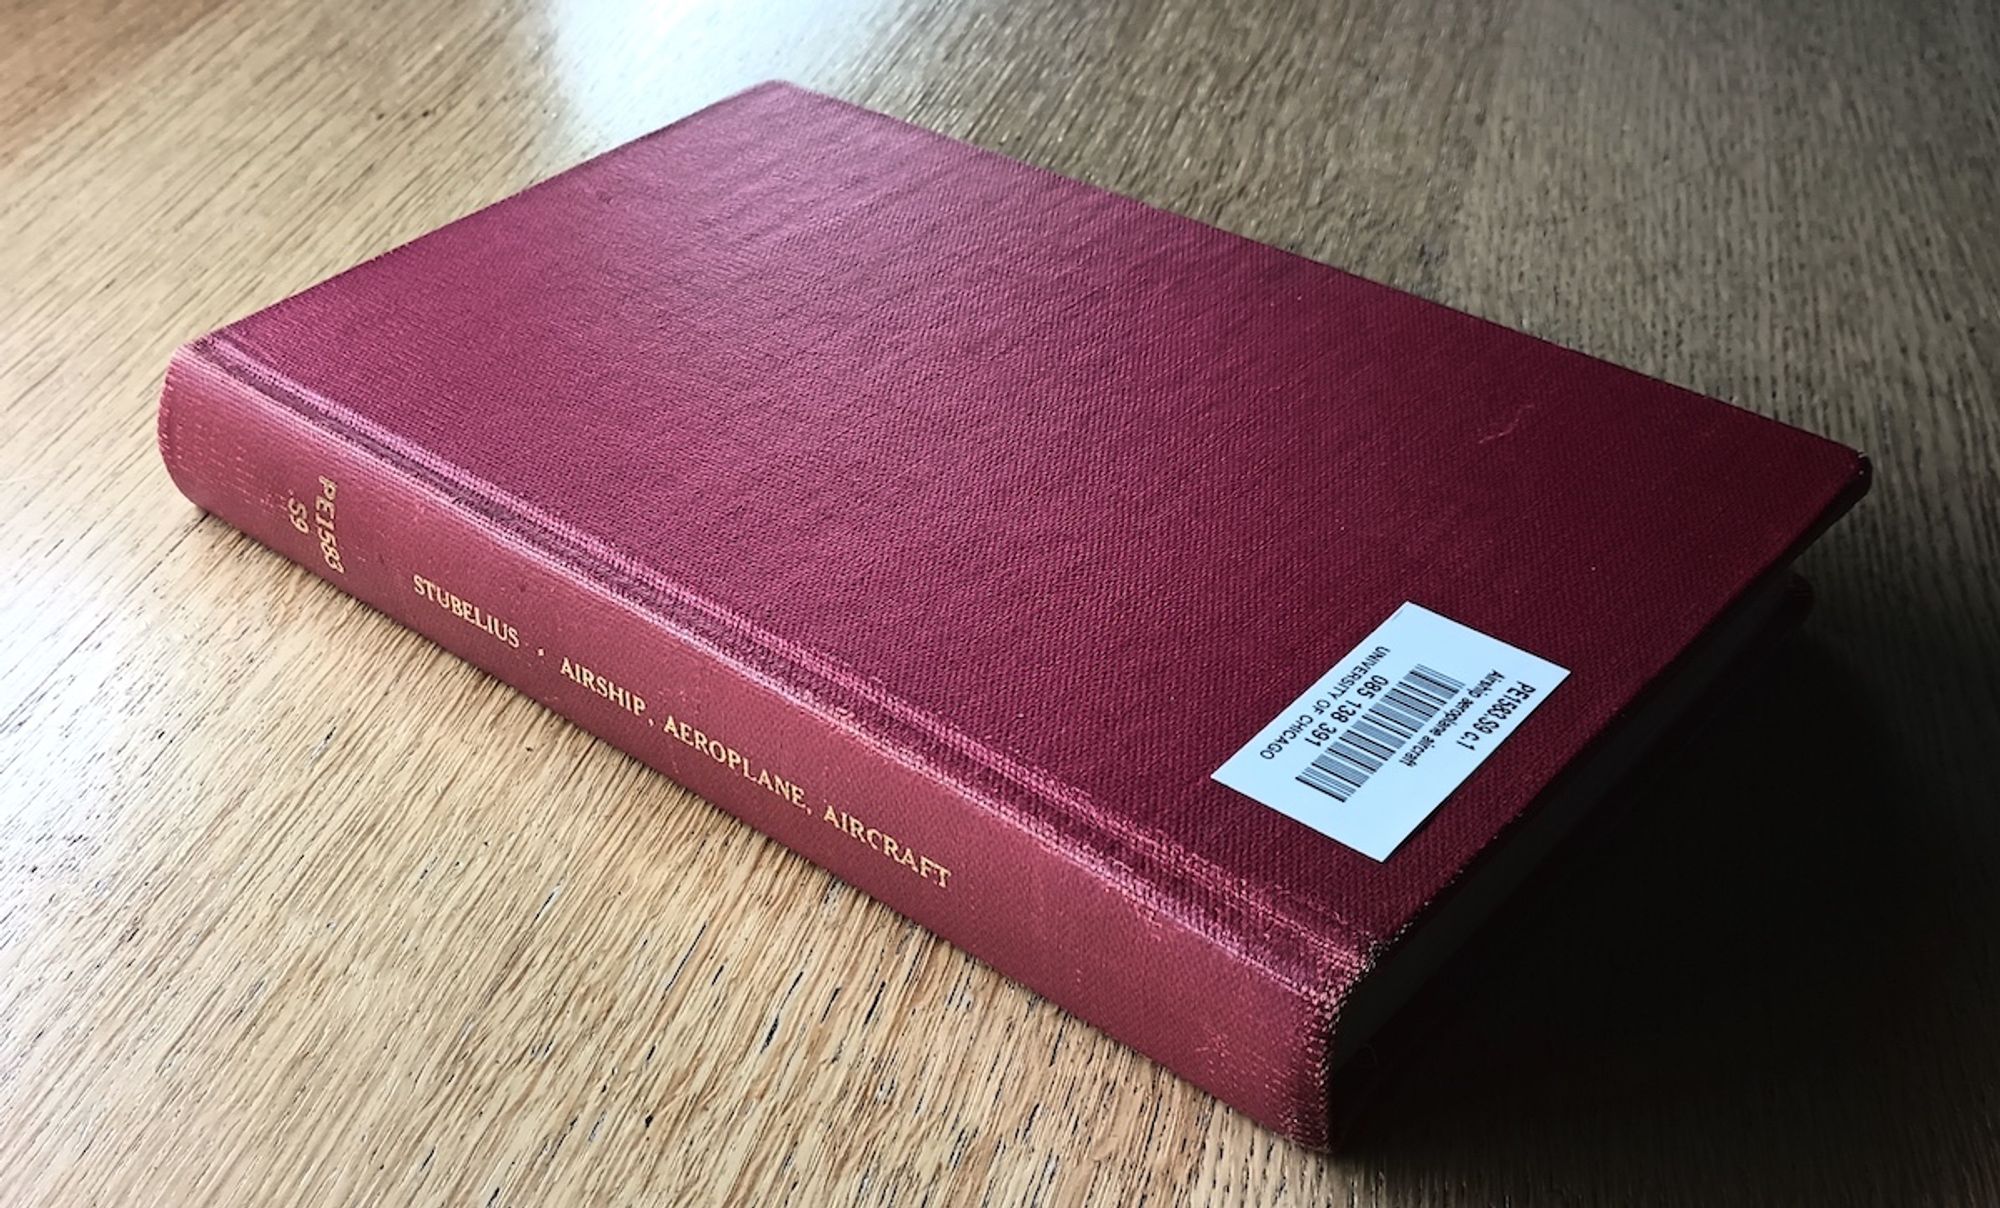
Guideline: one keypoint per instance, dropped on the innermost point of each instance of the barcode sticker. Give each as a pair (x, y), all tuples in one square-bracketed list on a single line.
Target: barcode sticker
[(1378, 742)]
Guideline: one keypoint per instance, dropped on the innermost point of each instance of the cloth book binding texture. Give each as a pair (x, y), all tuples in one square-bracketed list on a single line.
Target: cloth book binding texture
[(1203, 636)]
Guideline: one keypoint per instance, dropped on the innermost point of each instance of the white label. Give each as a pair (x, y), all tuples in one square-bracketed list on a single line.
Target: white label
[(1376, 744)]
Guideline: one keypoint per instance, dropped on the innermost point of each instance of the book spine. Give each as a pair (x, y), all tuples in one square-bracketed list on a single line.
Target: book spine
[(448, 564)]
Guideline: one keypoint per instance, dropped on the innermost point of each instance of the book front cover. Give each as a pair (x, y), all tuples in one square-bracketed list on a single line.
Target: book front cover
[(1063, 499)]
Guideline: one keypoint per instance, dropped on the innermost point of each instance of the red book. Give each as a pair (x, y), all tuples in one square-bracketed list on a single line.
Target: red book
[(1201, 635)]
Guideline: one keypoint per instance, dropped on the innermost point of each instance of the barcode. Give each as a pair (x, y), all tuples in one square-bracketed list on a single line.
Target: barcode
[(1374, 738)]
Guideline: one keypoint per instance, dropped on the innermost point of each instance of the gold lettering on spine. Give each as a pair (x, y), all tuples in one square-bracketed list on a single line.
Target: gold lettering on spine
[(872, 837), (888, 845), (465, 610), (735, 761), (323, 518), (316, 520), (617, 694)]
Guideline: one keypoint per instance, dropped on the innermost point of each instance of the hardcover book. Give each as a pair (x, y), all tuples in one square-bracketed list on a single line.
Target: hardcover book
[(1201, 635)]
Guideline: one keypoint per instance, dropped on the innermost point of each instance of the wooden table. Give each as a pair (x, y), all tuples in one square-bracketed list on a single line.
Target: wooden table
[(294, 907)]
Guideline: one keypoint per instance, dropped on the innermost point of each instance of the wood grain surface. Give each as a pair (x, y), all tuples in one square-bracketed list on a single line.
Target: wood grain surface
[(295, 908)]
